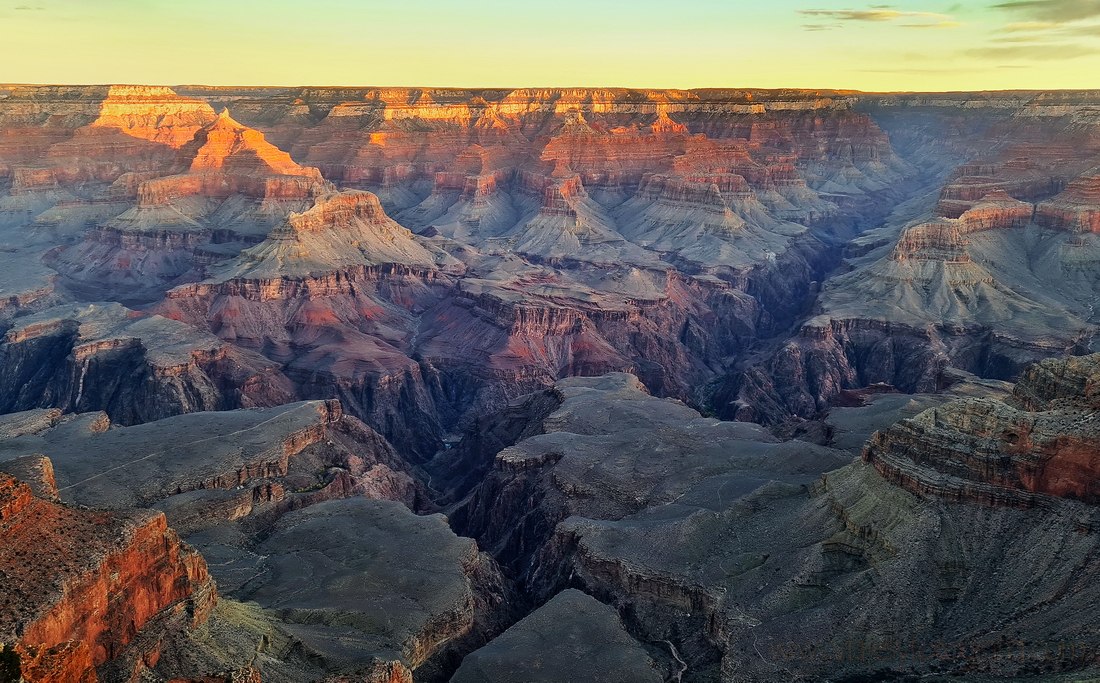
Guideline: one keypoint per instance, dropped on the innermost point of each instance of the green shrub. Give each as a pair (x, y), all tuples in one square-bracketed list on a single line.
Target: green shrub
[(9, 665)]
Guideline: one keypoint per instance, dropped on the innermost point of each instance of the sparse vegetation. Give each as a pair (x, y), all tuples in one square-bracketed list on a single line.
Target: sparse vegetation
[(10, 670)]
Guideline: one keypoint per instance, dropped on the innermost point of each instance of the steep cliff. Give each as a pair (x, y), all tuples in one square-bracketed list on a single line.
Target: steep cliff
[(79, 584), (134, 366), (1077, 209), (1041, 443)]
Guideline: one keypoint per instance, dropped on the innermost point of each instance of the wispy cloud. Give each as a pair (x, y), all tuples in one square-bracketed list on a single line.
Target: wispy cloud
[(1092, 31), (878, 14), (1035, 52), (1059, 11), (1045, 31), (872, 14)]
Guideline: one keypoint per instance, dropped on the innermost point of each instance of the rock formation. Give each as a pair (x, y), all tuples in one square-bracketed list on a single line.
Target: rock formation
[(1041, 442), (1077, 209), (80, 584), (340, 231), (231, 188), (222, 478), (422, 598), (134, 366), (209, 467), (95, 133), (525, 187), (995, 211), (569, 468), (979, 287)]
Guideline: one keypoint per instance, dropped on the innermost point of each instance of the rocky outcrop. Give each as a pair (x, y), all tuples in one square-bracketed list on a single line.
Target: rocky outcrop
[(134, 366), (416, 349), (974, 291), (423, 604), (1043, 442), (1062, 383), (938, 241), (996, 211), (1077, 209), (227, 158), (36, 471), (342, 333), (341, 231), (808, 374), (224, 479), (226, 188), (524, 201), (1030, 174), (552, 233), (206, 469), (480, 153), (80, 585), (95, 133)]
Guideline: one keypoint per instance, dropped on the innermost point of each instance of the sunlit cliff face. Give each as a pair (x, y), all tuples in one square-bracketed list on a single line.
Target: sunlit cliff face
[(229, 146), (141, 112)]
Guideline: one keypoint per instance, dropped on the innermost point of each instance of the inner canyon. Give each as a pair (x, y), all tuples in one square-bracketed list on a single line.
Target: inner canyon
[(384, 385)]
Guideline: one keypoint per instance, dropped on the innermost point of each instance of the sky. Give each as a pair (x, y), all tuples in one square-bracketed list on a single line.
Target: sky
[(931, 45)]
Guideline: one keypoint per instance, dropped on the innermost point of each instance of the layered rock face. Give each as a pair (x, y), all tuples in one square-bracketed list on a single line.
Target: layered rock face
[(134, 366), (227, 188), (610, 138), (70, 159), (333, 295), (350, 299), (974, 283), (93, 134), (80, 584), (997, 210), (1040, 443), (1077, 209), (1020, 177), (225, 158), (560, 232), (341, 231)]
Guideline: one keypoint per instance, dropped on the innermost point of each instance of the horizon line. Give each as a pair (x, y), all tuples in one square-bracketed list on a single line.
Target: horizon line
[(838, 91)]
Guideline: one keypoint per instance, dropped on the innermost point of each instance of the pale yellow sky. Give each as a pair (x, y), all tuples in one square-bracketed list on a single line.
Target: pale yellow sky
[(908, 45)]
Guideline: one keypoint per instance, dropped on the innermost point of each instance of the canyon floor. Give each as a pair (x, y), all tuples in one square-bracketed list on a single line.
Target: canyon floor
[(393, 385)]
